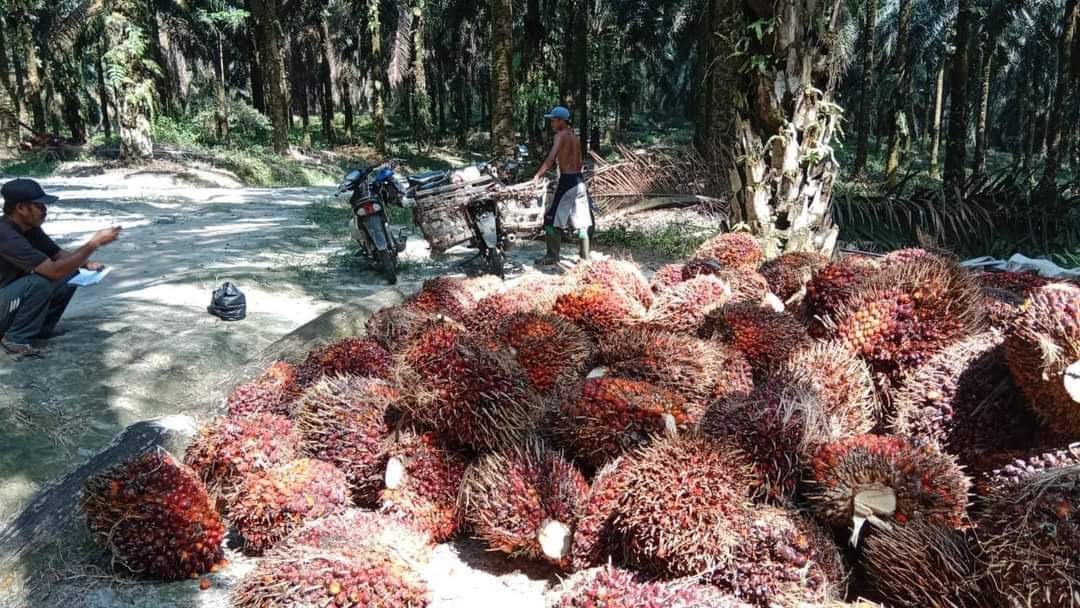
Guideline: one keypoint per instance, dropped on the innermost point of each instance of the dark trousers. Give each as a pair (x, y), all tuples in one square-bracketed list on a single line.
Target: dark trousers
[(31, 306)]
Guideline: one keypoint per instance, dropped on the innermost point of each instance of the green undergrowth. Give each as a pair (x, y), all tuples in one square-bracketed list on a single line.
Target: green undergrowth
[(673, 240)]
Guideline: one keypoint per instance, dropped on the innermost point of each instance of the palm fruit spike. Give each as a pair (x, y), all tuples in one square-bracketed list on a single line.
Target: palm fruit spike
[(732, 250), (1043, 353), (304, 577), (1002, 306), (359, 527), (554, 353), (524, 502), (421, 481), (539, 290), (611, 587), (698, 370), (482, 286), (598, 309), (614, 274), (613, 415), (683, 307), (886, 481), (666, 276), (228, 449), (1016, 466), (921, 565), (1030, 534), (830, 288), (594, 538), (271, 393), (493, 310), (840, 380), (394, 326), (1019, 283), (351, 356), (789, 273), (687, 500), (781, 559), (964, 400), (155, 517), (273, 503), (455, 386), (345, 421), (444, 295), (765, 337)]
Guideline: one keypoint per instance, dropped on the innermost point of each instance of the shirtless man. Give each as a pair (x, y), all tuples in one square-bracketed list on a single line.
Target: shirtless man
[(569, 208)]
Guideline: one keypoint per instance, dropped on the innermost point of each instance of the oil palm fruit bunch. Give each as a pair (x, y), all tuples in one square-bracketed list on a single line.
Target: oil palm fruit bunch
[(227, 449), (611, 587), (351, 356), (746, 285), (921, 565), (831, 287), (840, 380), (273, 503), (964, 400), (421, 480), (392, 327), (885, 481), (482, 286), (683, 306), (732, 250), (686, 506), (524, 502), (614, 274), (454, 385), (1043, 353), (899, 257), (1008, 468), (666, 276), (781, 559), (271, 393), (1002, 306), (698, 370), (595, 540), (155, 517), (614, 415), (789, 273), (765, 337), (1030, 533), (344, 420), (540, 289), (1019, 283), (359, 527), (554, 353), (449, 296), (491, 311), (598, 309)]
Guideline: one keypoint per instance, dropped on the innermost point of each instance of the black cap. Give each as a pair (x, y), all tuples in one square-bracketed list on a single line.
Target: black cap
[(23, 190)]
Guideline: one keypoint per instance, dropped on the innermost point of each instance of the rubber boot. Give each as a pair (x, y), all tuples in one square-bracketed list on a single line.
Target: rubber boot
[(553, 239), (583, 247)]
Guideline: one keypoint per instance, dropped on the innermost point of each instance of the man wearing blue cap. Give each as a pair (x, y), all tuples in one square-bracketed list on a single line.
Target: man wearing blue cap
[(34, 270), (569, 208)]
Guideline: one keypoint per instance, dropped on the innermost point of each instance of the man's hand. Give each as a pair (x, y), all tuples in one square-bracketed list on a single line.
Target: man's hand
[(93, 266), (106, 236)]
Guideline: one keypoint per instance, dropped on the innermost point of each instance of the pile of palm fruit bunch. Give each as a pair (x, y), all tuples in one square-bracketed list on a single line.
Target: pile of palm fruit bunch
[(894, 430)]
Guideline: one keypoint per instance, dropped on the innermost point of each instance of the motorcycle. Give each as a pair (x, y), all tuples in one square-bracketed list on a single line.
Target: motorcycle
[(369, 224)]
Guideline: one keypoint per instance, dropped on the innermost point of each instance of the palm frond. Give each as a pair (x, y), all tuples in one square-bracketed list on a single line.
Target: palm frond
[(400, 46), (65, 31), (641, 175)]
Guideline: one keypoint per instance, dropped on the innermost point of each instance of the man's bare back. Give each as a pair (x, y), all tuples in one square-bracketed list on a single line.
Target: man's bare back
[(567, 151)]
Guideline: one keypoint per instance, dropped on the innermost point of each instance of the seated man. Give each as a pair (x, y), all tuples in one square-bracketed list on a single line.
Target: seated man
[(34, 271)]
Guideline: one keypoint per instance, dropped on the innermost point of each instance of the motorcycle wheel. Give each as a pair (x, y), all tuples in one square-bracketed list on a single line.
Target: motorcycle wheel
[(388, 264), (496, 261)]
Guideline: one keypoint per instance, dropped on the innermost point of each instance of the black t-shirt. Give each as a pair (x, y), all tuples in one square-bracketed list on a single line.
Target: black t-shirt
[(21, 253)]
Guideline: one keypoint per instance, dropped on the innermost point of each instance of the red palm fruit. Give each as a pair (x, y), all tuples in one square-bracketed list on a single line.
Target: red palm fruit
[(765, 337), (789, 273), (1019, 283), (394, 326), (595, 540), (1043, 353), (444, 295), (273, 503), (421, 480), (346, 576), (830, 288), (683, 307), (345, 421), (610, 587), (840, 380), (746, 285), (893, 478), (358, 527), (598, 309), (351, 356), (666, 276), (614, 274), (524, 502), (1016, 466), (554, 353), (1002, 306), (228, 449), (964, 400), (698, 370), (613, 415), (903, 256), (781, 559), (271, 393), (732, 250), (456, 386), (154, 516), (490, 312), (1030, 533), (686, 502), (921, 565)]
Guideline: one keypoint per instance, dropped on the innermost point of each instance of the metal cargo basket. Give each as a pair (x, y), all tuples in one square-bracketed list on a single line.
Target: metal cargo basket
[(440, 212), (521, 208)]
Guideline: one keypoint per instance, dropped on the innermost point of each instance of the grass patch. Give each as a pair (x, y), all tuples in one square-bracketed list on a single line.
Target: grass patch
[(330, 215), (30, 165), (674, 240)]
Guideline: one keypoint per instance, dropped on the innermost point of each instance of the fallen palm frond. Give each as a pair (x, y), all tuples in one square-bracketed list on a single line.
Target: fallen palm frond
[(645, 179)]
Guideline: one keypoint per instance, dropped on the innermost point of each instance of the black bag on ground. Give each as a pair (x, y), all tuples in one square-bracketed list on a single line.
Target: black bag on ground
[(228, 303)]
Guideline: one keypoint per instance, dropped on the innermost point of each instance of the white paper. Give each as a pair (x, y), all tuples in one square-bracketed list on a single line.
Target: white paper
[(85, 278)]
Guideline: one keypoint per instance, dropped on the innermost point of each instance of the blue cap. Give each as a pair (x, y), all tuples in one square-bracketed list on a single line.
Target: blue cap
[(558, 112)]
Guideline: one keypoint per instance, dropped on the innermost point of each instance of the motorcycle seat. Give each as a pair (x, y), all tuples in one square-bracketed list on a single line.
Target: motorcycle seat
[(421, 180)]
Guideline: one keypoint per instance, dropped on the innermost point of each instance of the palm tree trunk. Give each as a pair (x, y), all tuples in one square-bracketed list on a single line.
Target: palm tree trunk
[(378, 102), (347, 106), (34, 79), (581, 73), (162, 79), (866, 100), (421, 98), (222, 114), (255, 71), (899, 126), (301, 88), (955, 148), (134, 94), (715, 77), (935, 122), (984, 108), (326, 80), (272, 60), (9, 102), (533, 61), (1063, 92), (502, 91), (103, 92)]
